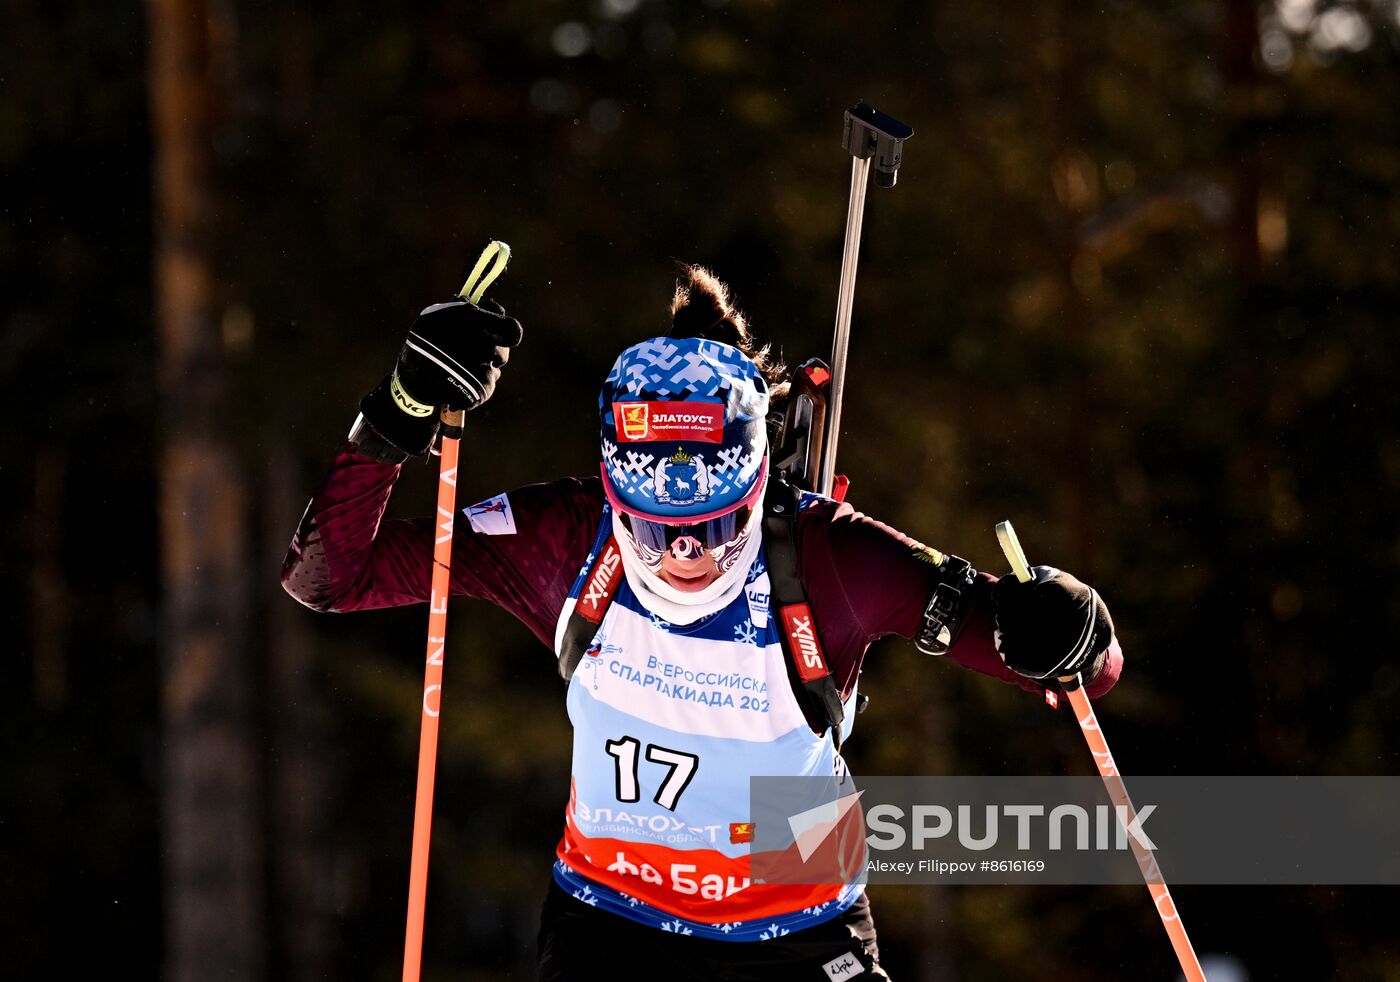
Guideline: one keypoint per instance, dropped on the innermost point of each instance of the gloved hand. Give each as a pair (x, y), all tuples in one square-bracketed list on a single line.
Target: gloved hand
[(452, 357), (1051, 626)]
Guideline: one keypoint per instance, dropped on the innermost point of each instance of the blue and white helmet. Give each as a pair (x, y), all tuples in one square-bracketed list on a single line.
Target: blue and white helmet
[(684, 430)]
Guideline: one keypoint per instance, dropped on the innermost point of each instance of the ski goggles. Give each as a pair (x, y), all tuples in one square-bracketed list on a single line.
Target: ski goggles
[(714, 534)]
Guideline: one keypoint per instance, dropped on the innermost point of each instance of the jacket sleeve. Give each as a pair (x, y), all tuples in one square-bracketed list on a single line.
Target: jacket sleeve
[(346, 556), (867, 580)]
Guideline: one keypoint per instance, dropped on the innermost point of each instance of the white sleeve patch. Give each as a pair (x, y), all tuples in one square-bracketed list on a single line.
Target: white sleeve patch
[(843, 967), (492, 516)]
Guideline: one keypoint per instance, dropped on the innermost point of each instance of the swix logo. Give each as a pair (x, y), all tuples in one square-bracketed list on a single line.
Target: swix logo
[(697, 421), (598, 590), (797, 620)]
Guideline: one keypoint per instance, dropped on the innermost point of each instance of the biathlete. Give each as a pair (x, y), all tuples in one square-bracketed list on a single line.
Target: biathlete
[(659, 590)]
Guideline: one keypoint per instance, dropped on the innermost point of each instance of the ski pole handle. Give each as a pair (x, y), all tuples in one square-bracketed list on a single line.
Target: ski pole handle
[(478, 282), (1016, 556)]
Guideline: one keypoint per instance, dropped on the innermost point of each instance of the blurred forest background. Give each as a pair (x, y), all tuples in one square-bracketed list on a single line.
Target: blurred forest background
[(1137, 289)]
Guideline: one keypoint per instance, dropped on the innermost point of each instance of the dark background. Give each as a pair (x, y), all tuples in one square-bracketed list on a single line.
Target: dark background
[(1137, 289)]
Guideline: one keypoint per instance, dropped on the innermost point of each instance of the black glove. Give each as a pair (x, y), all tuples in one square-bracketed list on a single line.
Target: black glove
[(1051, 626), (452, 357)]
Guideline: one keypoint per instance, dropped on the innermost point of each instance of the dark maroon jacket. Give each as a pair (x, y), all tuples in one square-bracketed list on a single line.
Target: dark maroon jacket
[(864, 580)]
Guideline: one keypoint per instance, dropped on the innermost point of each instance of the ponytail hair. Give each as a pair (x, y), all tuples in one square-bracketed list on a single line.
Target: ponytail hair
[(701, 308)]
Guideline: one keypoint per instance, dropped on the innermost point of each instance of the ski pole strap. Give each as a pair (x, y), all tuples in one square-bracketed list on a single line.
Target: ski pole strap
[(480, 279), (593, 602), (806, 661)]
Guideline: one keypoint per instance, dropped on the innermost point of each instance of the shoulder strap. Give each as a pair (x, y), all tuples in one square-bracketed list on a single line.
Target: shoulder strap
[(807, 666), (599, 585)]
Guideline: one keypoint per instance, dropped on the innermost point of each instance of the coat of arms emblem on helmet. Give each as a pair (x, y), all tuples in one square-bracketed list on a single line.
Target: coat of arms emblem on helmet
[(681, 479)]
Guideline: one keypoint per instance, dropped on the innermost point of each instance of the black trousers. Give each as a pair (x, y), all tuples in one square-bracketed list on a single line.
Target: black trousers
[(579, 943)]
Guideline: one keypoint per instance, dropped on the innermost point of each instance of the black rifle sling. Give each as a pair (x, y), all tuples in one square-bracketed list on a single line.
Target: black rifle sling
[(808, 672), (577, 636)]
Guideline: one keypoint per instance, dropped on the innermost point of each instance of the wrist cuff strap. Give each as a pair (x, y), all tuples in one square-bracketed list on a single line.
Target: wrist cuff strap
[(370, 444), (406, 402), (950, 600)]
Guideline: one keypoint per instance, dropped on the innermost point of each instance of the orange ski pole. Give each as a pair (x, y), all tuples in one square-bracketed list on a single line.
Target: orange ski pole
[(1113, 781), (472, 290)]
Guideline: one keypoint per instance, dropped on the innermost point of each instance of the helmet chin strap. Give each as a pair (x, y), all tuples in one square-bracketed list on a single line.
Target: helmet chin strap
[(678, 606)]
